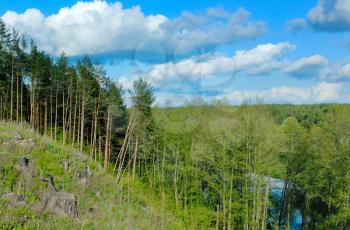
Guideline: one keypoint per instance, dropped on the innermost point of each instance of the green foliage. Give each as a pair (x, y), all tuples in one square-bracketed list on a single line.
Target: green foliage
[(8, 176), (103, 204)]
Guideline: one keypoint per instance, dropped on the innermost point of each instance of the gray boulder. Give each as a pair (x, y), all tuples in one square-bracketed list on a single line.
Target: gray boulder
[(60, 203), (27, 170), (84, 176), (57, 203), (17, 136), (66, 165), (17, 143)]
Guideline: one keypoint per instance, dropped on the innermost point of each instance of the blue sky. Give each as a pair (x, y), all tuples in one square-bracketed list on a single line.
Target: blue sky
[(280, 51)]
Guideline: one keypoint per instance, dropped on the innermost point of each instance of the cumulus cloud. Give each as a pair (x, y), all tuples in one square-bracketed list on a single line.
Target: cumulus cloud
[(210, 75), (330, 15), (307, 67), (321, 92), (296, 25), (261, 59), (207, 76), (327, 15), (318, 67), (325, 91), (345, 71), (105, 28), (126, 83), (217, 12), (336, 72)]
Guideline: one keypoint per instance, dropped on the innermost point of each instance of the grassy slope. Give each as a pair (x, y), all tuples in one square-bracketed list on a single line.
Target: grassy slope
[(101, 205)]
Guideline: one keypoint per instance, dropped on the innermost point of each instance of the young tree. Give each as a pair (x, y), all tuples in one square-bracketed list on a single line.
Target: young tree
[(142, 99), (295, 158)]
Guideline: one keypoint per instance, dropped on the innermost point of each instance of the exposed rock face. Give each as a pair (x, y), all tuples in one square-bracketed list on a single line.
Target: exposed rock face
[(60, 203), (14, 200)]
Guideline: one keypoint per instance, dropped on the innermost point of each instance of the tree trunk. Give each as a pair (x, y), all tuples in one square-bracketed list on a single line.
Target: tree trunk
[(107, 140), (95, 129), (17, 98), (63, 120), (82, 121), (11, 101), (135, 155), (21, 100), (56, 112)]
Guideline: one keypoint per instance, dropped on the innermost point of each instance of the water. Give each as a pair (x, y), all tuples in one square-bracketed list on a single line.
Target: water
[(277, 186)]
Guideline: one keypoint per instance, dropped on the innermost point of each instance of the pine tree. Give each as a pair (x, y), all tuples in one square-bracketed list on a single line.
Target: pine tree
[(142, 100)]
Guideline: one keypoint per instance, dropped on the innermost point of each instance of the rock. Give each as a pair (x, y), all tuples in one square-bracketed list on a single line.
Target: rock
[(51, 184), (66, 165), (27, 170), (14, 200), (84, 176), (17, 136), (26, 144), (83, 182), (60, 203), (24, 161), (81, 155), (19, 144)]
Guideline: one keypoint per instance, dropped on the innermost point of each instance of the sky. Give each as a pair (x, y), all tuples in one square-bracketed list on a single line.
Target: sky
[(291, 51)]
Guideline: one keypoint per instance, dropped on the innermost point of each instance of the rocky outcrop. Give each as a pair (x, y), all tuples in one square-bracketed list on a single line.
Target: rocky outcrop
[(59, 203)]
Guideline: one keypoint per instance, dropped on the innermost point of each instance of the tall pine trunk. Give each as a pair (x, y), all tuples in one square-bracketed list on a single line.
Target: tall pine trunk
[(82, 121)]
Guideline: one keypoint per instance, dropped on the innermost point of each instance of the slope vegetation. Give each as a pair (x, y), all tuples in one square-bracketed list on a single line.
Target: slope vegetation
[(28, 202)]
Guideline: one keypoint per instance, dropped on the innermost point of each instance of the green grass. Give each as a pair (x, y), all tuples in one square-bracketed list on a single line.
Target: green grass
[(103, 204)]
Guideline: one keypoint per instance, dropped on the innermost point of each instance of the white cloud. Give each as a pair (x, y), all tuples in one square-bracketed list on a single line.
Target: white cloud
[(327, 91), (330, 15), (318, 67), (261, 59), (295, 25), (345, 71), (321, 92), (307, 67), (336, 72), (217, 12), (264, 59), (327, 15), (99, 27), (125, 82)]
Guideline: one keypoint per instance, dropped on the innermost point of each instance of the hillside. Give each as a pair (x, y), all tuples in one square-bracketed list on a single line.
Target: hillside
[(210, 166), (101, 203)]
